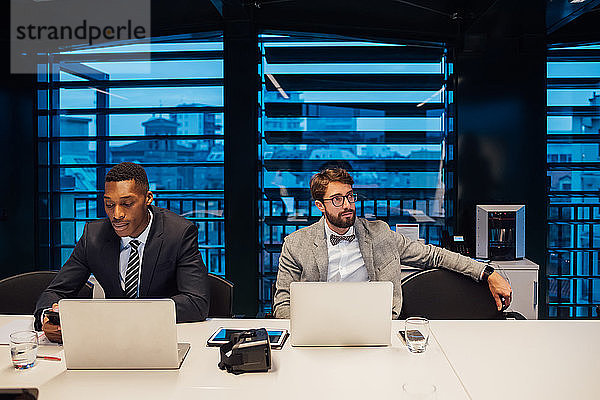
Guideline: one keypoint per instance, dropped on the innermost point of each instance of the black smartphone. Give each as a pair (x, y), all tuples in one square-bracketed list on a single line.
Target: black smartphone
[(53, 317), (402, 336), (414, 335)]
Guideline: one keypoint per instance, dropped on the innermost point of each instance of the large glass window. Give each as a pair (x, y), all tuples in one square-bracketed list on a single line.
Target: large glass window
[(380, 110), (158, 104), (573, 148)]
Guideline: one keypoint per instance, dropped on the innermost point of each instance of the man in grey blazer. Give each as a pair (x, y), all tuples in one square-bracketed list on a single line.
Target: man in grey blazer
[(340, 247)]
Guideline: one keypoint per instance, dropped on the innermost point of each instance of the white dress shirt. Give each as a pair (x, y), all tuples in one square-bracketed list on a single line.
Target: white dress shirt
[(126, 249), (346, 263)]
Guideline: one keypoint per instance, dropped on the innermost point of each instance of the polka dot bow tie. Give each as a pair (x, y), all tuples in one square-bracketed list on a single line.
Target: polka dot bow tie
[(335, 239)]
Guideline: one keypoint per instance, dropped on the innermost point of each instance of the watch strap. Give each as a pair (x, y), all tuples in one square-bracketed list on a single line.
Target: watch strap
[(488, 270)]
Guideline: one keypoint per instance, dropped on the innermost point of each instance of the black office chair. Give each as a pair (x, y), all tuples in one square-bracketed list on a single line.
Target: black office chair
[(19, 293), (443, 294), (271, 314), (221, 297)]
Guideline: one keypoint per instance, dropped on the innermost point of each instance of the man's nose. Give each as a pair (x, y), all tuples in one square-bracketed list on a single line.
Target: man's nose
[(119, 213), (350, 205)]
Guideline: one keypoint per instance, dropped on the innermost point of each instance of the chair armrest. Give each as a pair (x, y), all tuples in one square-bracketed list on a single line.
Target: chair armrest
[(514, 315)]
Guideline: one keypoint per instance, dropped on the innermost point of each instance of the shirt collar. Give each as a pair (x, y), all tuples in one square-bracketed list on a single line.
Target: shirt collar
[(142, 237), (329, 232)]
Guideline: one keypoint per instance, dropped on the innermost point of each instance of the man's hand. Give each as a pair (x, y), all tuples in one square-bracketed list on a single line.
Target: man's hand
[(501, 290), (52, 332)]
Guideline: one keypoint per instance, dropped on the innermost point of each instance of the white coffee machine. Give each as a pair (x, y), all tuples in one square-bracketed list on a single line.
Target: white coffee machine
[(500, 232)]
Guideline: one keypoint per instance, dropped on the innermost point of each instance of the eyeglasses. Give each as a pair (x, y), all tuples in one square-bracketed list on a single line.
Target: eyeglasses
[(338, 200)]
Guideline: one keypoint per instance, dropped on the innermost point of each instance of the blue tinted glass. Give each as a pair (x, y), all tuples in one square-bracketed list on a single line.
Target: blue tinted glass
[(372, 96), (573, 152), (573, 69), (181, 123), (180, 69), (354, 68), (185, 169), (574, 181), (77, 98), (382, 116), (573, 97)]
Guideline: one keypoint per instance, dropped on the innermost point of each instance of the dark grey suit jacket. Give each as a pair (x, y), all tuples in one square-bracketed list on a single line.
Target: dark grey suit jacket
[(304, 258), (171, 266)]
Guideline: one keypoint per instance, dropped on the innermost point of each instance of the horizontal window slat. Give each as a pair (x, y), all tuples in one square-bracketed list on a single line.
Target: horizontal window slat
[(290, 82), (308, 220), (413, 193), (353, 137), (587, 111), (573, 83), (118, 138), (137, 83), (592, 55), (358, 109), (573, 166), (351, 54), (138, 56), (182, 192), (354, 165), (132, 110), (146, 165), (568, 138)]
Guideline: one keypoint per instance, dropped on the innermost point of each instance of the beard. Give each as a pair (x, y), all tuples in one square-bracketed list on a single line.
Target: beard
[(340, 221)]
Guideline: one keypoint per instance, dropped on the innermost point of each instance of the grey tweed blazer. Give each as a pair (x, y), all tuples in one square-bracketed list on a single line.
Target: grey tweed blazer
[(304, 258)]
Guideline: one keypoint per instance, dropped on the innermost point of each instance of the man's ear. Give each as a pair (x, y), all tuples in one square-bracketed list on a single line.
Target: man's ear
[(320, 206), (149, 198)]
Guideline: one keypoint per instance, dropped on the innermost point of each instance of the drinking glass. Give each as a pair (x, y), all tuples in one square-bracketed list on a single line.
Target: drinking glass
[(417, 334), (23, 348)]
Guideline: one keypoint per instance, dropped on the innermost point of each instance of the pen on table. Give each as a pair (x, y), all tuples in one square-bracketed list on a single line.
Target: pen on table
[(48, 358)]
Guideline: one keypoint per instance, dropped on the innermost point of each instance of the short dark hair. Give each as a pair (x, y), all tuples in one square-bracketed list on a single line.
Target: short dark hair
[(126, 171), (320, 181)]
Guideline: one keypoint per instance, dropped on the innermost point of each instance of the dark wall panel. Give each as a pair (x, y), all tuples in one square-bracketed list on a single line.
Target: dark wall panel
[(241, 164), (17, 172), (501, 124)]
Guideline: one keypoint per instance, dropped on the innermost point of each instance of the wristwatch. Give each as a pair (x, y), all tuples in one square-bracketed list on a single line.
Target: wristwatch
[(487, 272)]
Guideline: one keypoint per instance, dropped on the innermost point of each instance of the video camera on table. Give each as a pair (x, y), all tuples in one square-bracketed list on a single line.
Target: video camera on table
[(247, 351)]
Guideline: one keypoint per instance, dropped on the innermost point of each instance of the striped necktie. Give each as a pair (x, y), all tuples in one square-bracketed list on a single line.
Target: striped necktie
[(133, 271)]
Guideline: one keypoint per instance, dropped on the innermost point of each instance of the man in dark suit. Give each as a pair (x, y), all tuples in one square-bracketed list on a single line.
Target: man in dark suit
[(139, 251)]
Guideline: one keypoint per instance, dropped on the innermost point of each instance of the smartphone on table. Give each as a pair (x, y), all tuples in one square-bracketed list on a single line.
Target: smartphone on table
[(222, 335)]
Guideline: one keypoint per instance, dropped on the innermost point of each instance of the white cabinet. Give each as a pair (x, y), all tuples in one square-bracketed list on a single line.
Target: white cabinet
[(523, 276)]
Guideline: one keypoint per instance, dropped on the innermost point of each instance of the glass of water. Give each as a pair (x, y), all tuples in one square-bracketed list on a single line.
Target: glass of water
[(23, 348), (417, 334)]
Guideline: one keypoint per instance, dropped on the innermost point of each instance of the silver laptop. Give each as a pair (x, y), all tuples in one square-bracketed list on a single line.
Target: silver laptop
[(120, 334), (341, 313)]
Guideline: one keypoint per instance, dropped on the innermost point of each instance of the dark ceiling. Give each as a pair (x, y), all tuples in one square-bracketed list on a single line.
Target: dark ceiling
[(422, 20), (405, 20), (393, 20), (580, 25)]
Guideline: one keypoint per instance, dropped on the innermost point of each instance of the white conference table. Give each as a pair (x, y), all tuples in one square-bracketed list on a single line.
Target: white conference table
[(524, 359), (464, 360)]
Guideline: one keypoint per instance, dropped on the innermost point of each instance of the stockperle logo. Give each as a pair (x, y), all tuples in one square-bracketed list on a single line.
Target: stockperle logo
[(42, 27)]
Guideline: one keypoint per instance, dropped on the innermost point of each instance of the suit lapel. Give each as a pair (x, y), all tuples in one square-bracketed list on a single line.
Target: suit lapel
[(320, 249), (151, 251), (366, 247)]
